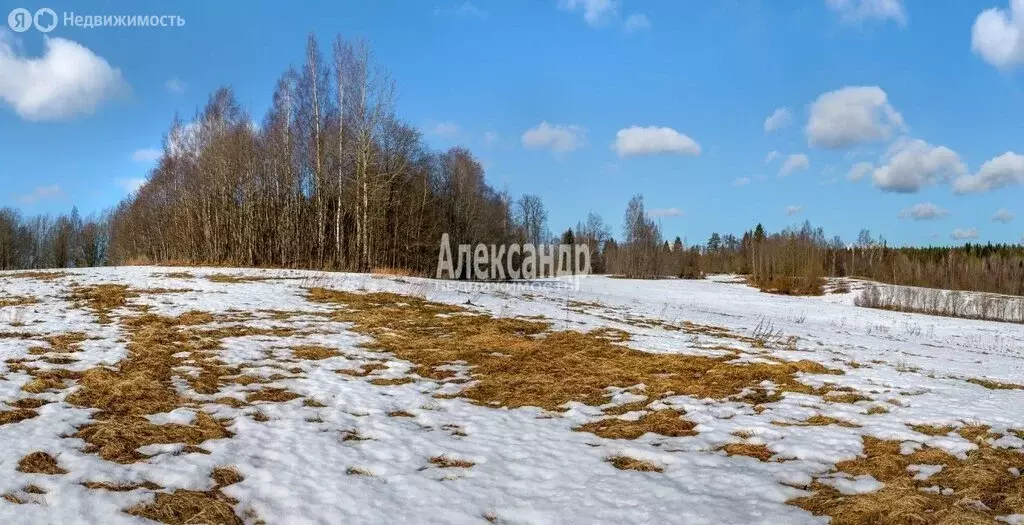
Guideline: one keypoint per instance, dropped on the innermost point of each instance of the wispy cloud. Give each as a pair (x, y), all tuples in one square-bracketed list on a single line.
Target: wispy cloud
[(176, 86), (962, 234), (131, 185), (635, 23), (444, 129), (665, 212), (53, 191), (559, 138), (146, 155), (463, 10)]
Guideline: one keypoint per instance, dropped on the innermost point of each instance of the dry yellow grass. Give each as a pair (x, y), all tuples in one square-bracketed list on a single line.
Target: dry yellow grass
[(444, 461), (933, 430), (14, 416), (40, 463), (66, 342), (380, 381), (759, 452), (273, 395), (36, 275), (362, 371), (985, 476), (995, 385), (141, 385), (17, 300), (630, 463), (188, 507), (314, 352), (664, 422), (102, 298), (518, 362), (28, 402), (391, 272), (818, 420), (175, 275), (224, 476), (120, 487)]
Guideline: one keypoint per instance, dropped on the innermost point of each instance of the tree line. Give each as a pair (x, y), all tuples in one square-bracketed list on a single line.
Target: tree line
[(796, 260), (332, 178)]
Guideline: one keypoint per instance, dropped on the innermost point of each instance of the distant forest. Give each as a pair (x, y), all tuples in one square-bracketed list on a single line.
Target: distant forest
[(333, 179)]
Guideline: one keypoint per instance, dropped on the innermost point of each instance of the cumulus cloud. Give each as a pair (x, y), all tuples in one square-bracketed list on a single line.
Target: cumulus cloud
[(651, 140), (858, 11), (1003, 215), (794, 162), (962, 234), (636, 23), (595, 12), (779, 119), (145, 156), (793, 210), (998, 35), (52, 191), (923, 212), (559, 138), (771, 156), (66, 81), (911, 164), (859, 170), (851, 116), (665, 212), (1000, 172), (131, 185)]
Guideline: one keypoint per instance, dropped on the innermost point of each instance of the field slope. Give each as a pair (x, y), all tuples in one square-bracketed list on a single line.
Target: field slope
[(200, 395)]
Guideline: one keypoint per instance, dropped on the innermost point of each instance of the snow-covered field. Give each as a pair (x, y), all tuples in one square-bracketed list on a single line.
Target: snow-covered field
[(356, 448)]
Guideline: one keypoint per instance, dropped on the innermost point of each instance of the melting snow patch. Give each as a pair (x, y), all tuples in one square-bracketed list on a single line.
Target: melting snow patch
[(852, 485)]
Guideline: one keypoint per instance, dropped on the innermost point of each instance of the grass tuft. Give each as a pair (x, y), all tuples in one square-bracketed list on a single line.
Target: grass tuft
[(40, 463)]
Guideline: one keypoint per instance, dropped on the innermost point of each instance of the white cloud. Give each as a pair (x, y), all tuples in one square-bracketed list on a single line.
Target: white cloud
[(771, 156), (923, 212), (145, 156), (665, 212), (858, 11), (444, 129), (68, 80), (793, 210), (491, 137), (595, 12), (779, 119), (636, 23), (794, 162), (998, 35), (651, 140), (1000, 172), (850, 116), (961, 234), (559, 138), (859, 170), (742, 181), (911, 164), (52, 191), (176, 86), (1003, 215), (131, 185)]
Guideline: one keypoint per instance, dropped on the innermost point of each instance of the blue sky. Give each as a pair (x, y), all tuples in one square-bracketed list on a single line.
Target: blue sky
[(583, 102)]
